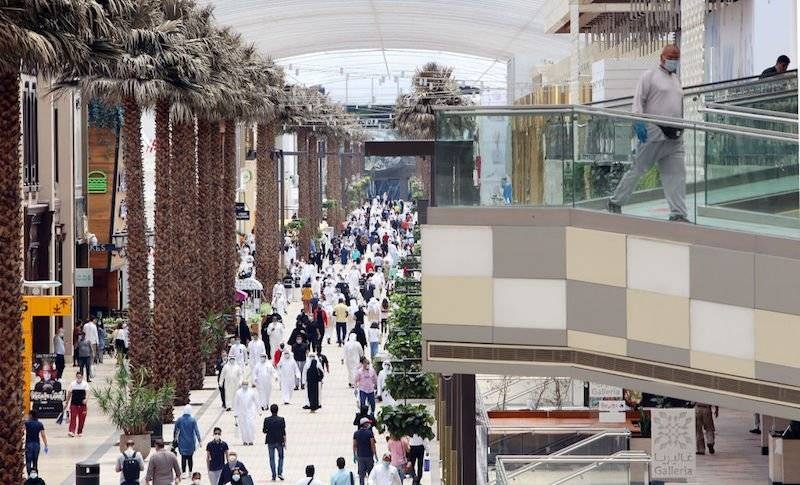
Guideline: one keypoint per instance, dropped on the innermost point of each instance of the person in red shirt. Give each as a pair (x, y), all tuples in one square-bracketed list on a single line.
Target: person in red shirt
[(370, 266), (278, 354)]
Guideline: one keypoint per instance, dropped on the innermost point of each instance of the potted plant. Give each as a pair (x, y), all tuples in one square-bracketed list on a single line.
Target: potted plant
[(212, 338), (406, 420), (132, 406)]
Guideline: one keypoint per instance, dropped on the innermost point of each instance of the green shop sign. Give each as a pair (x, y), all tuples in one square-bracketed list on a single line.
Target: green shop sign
[(97, 182)]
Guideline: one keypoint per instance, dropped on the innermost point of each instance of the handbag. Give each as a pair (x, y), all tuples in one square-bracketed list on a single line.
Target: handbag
[(426, 464)]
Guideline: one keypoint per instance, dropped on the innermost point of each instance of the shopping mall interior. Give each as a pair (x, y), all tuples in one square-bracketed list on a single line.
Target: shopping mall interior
[(557, 241)]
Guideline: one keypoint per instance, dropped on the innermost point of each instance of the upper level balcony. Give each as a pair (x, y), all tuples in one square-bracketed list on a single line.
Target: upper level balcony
[(526, 273)]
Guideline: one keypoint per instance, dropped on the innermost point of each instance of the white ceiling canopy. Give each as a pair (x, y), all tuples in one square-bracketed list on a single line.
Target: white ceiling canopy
[(494, 29)]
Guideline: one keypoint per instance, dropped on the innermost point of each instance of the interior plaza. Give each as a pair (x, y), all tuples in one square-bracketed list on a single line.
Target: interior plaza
[(564, 236)]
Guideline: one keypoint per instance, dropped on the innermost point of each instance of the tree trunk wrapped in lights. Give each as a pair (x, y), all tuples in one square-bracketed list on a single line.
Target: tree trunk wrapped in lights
[(11, 382), (267, 230), (142, 351), (333, 185), (304, 192)]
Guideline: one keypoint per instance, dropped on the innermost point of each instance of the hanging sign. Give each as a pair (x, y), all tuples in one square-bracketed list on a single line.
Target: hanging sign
[(97, 182), (673, 442)]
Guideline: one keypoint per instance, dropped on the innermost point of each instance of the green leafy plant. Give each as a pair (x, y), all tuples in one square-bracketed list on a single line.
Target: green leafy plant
[(129, 403), (212, 333), (357, 190), (295, 224), (406, 420), (409, 381), (328, 204), (416, 188)]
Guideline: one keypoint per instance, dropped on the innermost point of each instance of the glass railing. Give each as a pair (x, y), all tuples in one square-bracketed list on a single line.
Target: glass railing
[(625, 467), (736, 177), (555, 441)]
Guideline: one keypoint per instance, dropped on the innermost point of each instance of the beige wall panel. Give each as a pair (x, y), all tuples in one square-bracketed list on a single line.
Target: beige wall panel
[(723, 364), (658, 319), (463, 300), (595, 342), (596, 256), (777, 335)]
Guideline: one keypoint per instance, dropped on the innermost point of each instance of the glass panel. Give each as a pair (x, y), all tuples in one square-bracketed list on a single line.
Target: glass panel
[(735, 177), (623, 468)]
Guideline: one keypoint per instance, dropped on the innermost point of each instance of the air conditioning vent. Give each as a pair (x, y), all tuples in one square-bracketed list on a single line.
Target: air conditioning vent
[(621, 365)]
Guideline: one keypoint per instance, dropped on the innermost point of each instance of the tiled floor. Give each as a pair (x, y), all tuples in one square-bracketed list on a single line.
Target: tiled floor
[(317, 438)]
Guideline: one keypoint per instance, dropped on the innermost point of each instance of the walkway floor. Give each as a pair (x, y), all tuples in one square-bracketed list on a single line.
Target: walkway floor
[(312, 438)]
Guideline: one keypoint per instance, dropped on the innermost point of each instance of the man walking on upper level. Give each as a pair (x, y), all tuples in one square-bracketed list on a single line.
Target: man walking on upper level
[(659, 92)]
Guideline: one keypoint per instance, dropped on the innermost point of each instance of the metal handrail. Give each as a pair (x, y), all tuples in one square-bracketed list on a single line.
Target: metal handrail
[(497, 390), (594, 110), (753, 116), (571, 448), (592, 466), (747, 109), (593, 461)]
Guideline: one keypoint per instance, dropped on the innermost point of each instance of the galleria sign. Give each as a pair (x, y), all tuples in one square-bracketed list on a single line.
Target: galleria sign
[(673, 441)]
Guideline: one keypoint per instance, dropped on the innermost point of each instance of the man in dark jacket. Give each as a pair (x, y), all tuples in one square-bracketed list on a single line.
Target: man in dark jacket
[(275, 437), (233, 467)]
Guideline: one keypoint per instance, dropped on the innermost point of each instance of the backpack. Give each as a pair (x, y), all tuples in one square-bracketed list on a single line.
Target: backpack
[(130, 467)]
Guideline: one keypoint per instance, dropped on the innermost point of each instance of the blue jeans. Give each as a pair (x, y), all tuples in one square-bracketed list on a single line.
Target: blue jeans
[(373, 348), (271, 449), (368, 397), (32, 456)]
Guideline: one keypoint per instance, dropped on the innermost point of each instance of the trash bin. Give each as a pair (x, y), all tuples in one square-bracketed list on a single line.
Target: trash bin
[(87, 473)]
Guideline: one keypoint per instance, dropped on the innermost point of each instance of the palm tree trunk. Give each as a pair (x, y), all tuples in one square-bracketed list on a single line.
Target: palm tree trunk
[(304, 192), (333, 185), (164, 304), (231, 182), (205, 217), (139, 317), (216, 216), (267, 227), (314, 179), (187, 328), (11, 367)]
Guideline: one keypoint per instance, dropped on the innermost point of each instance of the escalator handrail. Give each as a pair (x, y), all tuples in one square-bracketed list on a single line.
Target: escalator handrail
[(636, 455), (749, 110), (542, 449), (708, 87), (749, 116)]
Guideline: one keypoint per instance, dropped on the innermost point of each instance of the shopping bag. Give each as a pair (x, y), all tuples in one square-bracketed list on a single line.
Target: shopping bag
[(426, 464)]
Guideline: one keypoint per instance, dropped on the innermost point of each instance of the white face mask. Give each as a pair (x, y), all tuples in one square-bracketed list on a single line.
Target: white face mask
[(671, 65), (235, 478), (386, 464), (34, 475)]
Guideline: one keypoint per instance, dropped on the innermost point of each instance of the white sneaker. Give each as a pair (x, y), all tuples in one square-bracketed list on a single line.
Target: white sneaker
[(184, 476)]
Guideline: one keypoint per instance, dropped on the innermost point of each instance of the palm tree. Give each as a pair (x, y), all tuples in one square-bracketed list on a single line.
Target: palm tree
[(267, 227), (414, 118), (52, 38), (333, 185)]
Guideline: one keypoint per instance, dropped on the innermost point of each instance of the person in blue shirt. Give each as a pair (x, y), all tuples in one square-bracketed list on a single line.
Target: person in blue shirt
[(507, 191), (34, 430), (216, 456), (187, 434), (342, 476)]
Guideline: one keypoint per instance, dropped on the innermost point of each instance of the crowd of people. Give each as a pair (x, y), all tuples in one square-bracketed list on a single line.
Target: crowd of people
[(343, 283)]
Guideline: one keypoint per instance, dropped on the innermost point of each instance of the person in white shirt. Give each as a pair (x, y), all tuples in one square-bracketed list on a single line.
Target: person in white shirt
[(239, 352), (385, 474), (255, 349), (90, 330)]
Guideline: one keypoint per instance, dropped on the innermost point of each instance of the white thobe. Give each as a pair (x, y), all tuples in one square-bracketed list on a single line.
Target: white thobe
[(352, 357), (255, 350), (287, 373), (239, 352), (275, 332), (245, 408), (232, 375), (263, 375), (278, 298)]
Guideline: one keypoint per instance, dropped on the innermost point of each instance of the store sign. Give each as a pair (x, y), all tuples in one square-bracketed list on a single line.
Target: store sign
[(97, 182), (84, 277), (673, 443), (242, 214), (603, 391)]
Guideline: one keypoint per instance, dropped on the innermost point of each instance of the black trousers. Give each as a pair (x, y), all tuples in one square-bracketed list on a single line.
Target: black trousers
[(59, 365), (222, 395), (341, 332), (316, 346), (187, 460), (416, 456)]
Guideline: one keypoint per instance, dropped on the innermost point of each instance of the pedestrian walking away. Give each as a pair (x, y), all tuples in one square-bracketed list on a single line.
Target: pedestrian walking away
[(704, 427), (163, 468), (187, 434), (342, 476), (130, 465), (274, 430), (34, 437)]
